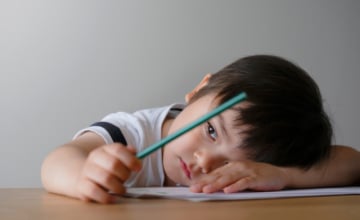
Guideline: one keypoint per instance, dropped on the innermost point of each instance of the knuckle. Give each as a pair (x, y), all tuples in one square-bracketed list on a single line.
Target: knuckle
[(248, 180), (119, 189), (87, 190), (125, 175), (118, 168), (93, 154), (89, 171), (91, 190), (114, 164), (107, 179), (133, 163), (116, 148)]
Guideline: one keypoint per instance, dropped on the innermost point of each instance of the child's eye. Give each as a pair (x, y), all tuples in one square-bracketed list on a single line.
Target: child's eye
[(211, 131)]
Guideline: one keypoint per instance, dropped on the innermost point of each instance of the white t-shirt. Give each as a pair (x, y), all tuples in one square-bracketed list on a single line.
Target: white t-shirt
[(139, 129)]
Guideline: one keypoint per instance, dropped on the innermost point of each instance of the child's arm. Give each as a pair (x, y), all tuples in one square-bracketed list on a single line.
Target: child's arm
[(87, 169), (341, 168)]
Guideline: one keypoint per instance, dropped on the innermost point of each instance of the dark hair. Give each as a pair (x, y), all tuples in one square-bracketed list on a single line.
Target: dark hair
[(287, 122)]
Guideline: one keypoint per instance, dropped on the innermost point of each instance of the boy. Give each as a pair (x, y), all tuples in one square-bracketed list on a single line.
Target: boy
[(279, 137)]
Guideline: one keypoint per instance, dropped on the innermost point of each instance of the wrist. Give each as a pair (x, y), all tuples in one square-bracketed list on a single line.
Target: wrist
[(289, 174)]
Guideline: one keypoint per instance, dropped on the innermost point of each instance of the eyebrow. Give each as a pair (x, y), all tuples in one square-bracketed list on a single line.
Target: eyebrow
[(222, 125)]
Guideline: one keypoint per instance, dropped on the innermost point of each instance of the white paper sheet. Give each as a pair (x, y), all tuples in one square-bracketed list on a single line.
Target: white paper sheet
[(184, 193)]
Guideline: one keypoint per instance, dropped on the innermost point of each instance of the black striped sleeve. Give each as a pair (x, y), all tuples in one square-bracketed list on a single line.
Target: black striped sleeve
[(114, 132)]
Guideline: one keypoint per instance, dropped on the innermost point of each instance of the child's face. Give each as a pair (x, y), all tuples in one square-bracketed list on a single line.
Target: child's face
[(204, 148)]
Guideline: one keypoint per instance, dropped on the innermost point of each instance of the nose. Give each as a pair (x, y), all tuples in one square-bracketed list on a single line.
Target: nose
[(206, 160)]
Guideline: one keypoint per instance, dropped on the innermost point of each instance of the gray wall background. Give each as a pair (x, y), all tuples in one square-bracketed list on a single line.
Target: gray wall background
[(65, 64)]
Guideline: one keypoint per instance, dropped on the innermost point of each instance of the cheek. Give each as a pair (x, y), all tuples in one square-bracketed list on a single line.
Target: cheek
[(187, 143)]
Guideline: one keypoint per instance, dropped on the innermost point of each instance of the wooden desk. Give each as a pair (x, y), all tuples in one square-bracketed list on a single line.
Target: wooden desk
[(37, 204)]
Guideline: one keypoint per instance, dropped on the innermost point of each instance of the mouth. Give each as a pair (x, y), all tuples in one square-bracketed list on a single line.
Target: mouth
[(185, 168)]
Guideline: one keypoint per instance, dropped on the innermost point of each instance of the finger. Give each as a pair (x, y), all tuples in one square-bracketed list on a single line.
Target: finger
[(103, 178), (90, 191), (111, 164), (132, 149), (216, 179), (196, 188), (126, 156), (205, 182), (198, 184), (219, 184), (240, 185)]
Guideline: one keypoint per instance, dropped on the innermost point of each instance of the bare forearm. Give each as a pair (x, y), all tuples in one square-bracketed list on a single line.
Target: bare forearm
[(341, 168), (61, 168)]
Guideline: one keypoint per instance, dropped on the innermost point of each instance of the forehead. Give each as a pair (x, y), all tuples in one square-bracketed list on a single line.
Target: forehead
[(232, 123), (210, 101)]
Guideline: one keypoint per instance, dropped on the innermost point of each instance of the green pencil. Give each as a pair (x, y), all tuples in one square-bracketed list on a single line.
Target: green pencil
[(226, 105)]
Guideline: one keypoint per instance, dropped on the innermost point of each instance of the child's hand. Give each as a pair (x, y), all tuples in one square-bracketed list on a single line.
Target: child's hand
[(106, 169), (238, 176)]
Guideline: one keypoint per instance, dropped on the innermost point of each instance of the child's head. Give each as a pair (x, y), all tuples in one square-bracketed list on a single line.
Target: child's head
[(285, 120)]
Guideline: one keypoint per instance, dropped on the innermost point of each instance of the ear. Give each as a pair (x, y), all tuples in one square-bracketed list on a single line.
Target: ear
[(203, 83)]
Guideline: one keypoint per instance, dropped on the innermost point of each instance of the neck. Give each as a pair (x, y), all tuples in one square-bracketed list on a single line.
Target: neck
[(166, 126)]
